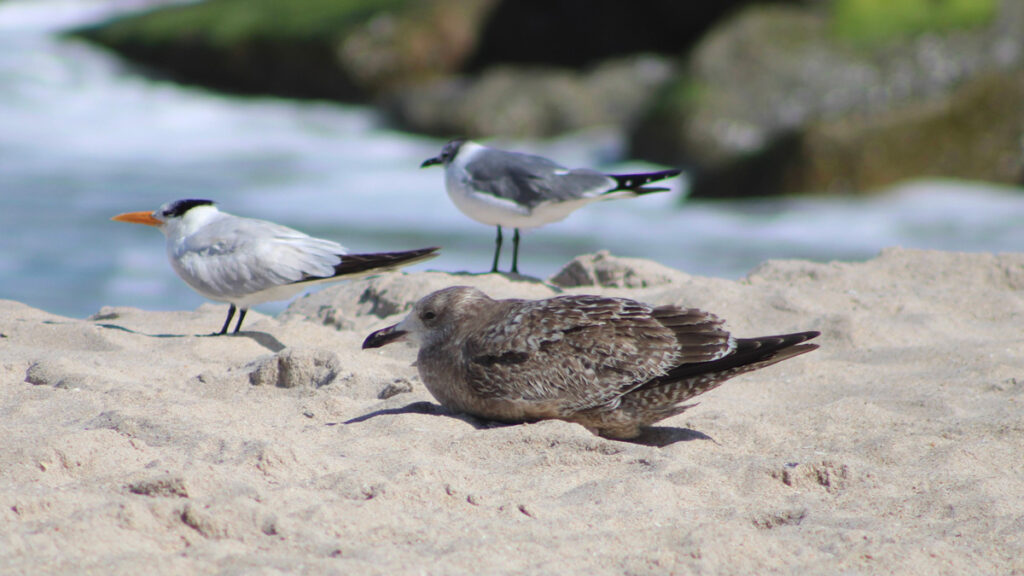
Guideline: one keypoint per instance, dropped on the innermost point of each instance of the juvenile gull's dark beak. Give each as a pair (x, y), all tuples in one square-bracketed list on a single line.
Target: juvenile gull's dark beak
[(383, 336), (431, 161)]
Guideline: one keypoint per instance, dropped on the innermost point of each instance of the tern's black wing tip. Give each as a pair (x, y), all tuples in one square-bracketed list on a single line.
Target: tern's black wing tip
[(383, 261)]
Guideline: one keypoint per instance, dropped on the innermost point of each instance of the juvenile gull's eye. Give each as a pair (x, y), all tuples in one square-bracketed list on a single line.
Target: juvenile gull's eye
[(429, 315)]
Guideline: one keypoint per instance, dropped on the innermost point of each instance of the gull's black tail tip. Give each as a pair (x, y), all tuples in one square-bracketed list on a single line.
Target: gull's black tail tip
[(636, 182)]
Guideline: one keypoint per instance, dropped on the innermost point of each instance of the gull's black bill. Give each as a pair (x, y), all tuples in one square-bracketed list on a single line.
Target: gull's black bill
[(383, 336), (431, 161)]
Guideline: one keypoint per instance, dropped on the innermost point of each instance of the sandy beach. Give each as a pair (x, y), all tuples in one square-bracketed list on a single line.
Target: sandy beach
[(131, 445)]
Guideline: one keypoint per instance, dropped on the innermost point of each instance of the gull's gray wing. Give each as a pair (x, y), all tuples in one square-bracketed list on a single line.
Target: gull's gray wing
[(584, 351), (532, 180)]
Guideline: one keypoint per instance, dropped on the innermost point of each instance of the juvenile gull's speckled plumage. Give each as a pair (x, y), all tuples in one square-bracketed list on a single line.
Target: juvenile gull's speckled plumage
[(611, 364)]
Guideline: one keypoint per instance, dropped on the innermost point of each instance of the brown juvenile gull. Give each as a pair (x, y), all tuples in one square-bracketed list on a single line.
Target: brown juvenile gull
[(613, 365)]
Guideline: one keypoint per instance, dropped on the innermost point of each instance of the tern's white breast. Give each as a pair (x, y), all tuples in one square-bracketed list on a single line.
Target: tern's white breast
[(245, 261)]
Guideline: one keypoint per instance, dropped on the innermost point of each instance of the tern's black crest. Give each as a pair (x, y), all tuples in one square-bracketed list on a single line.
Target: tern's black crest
[(180, 207)]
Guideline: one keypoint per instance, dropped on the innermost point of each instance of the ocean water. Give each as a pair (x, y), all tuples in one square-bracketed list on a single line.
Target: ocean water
[(84, 136)]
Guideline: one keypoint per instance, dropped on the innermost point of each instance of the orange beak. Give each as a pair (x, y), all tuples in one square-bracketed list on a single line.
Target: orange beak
[(138, 218)]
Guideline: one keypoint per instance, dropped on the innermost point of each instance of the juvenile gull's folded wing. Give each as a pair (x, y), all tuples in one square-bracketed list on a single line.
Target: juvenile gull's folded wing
[(578, 351)]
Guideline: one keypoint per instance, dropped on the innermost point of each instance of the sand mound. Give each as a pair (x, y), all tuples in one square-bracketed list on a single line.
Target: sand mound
[(131, 445)]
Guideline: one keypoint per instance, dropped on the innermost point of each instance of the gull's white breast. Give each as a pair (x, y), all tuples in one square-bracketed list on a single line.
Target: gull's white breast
[(488, 209)]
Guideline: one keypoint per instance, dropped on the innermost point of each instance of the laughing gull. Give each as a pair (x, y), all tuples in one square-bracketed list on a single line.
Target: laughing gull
[(244, 262), (503, 188), (611, 364)]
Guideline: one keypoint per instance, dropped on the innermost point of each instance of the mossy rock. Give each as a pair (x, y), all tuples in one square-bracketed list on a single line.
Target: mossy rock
[(339, 49), (232, 23), (528, 102), (772, 102), (535, 65), (974, 133), (248, 46), (869, 22)]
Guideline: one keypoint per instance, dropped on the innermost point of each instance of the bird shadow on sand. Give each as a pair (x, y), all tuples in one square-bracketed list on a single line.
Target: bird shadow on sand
[(136, 332), (264, 339), (427, 408), (511, 277), (661, 436), (656, 436)]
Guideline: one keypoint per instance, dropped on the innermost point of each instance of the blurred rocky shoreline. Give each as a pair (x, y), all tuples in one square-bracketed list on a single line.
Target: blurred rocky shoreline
[(753, 98)]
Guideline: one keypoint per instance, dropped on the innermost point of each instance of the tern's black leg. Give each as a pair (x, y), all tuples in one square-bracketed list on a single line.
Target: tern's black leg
[(515, 252), (241, 316), (497, 251), (231, 314)]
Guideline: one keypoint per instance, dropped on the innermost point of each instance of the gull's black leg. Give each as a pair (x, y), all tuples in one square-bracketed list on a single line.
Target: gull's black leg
[(497, 251), (515, 252), (231, 314), (241, 316)]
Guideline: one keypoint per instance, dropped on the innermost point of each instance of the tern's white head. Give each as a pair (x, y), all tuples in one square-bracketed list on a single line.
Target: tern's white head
[(177, 218)]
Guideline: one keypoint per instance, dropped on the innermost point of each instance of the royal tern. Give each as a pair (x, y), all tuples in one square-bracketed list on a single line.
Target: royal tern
[(611, 364), (244, 261), (503, 188)]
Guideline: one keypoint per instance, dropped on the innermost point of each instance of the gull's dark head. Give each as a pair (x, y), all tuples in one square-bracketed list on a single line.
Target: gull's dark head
[(434, 317), (448, 153)]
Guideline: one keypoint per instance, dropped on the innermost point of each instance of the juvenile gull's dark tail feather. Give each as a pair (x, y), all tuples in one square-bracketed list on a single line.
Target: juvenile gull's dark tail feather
[(636, 182), (356, 264), (699, 335), (752, 352), (663, 397)]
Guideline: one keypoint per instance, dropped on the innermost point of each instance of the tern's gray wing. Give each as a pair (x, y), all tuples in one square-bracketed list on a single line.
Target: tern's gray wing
[(581, 351), (235, 256), (531, 180)]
